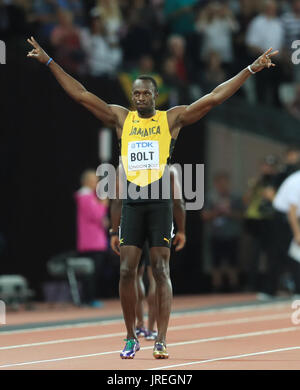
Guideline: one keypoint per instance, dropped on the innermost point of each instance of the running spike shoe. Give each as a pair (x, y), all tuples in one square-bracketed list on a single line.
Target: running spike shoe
[(160, 351), (141, 332), (151, 335), (131, 347)]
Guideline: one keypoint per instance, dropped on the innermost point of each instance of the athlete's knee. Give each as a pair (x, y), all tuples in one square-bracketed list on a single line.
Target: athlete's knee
[(127, 271), (161, 271)]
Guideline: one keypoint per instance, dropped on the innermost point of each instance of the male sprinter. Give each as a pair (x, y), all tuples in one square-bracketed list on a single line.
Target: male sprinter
[(146, 219), (179, 242)]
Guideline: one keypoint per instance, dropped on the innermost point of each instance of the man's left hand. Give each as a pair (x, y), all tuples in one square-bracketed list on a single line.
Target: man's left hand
[(179, 241), (264, 61)]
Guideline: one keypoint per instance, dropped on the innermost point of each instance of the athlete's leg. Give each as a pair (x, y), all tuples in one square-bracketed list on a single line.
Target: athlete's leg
[(160, 257), (141, 297), (129, 258), (151, 298)]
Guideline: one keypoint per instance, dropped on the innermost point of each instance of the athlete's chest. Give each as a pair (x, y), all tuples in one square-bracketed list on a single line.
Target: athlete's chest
[(136, 128)]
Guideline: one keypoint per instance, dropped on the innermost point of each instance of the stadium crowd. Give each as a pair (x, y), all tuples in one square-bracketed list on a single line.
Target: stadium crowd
[(190, 46)]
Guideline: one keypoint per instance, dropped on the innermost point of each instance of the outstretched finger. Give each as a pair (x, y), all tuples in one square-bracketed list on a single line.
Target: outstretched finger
[(268, 51), (29, 41), (273, 54), (33, 42)]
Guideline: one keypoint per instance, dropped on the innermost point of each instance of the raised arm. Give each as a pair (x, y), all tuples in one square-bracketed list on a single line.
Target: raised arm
[(112, 115), (184, 115)]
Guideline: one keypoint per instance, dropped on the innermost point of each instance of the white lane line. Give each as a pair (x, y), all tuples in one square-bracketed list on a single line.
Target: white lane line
[(227, 358), (171, 328), (246, 308), (221, 338)]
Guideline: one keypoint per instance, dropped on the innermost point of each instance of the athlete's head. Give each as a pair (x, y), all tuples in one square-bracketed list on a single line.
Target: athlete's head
[(144, 94)]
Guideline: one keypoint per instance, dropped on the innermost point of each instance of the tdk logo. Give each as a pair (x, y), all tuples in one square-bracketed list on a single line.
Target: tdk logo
[(143, 144), (2, 53)]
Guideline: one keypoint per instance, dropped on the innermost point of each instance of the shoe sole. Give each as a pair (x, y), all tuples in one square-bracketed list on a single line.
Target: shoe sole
[(129, 357), (161, 356)]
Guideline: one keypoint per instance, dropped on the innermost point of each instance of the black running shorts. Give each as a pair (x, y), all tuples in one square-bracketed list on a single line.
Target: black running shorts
[(152, 221)]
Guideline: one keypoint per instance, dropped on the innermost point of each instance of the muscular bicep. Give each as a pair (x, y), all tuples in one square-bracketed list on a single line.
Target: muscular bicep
[(110, 114), (195, 111)]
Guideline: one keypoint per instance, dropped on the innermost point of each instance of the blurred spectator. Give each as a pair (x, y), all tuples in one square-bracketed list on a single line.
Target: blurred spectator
[(178, 90), (103, 56), (266, 31), (176, 49), (92, 227), (65, 38), (245, 14), (151, 12), (76, 7), (46, 14), (110, 14), (217, 24), (291, 26), (145, 67), (137, 40), (257, 219), (213, 74), (285, 227), (179, 14), (294, 107), (291, 165), (223, 210)]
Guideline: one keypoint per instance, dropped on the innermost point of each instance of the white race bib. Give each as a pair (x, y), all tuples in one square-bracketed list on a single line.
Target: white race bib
[(143, 155)]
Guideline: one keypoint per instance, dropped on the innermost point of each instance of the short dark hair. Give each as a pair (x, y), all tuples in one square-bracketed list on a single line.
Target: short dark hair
[(148, 78)]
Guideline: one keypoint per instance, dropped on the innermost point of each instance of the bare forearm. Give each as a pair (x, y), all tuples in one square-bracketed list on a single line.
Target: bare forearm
[(115, 213), (179, 214), (72, 87), (225, 90)]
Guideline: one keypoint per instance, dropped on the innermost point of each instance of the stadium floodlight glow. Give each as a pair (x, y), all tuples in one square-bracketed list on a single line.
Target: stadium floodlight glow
[(2, 53)]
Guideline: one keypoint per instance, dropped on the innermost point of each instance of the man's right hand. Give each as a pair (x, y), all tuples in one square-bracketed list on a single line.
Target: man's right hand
[(115, 244), (37, 52)]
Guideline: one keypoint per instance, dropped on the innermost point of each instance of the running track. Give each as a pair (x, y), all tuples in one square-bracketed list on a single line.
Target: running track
[(231, 332)]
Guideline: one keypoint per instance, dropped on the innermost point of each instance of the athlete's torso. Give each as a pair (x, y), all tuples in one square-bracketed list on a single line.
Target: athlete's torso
[(146, 148)]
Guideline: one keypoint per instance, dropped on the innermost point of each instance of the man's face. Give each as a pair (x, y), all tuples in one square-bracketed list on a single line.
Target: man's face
[(143, 96)]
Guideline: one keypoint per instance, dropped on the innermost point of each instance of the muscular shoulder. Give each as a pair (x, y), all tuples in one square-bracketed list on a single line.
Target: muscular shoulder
[(174, 118), (120, 112)]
